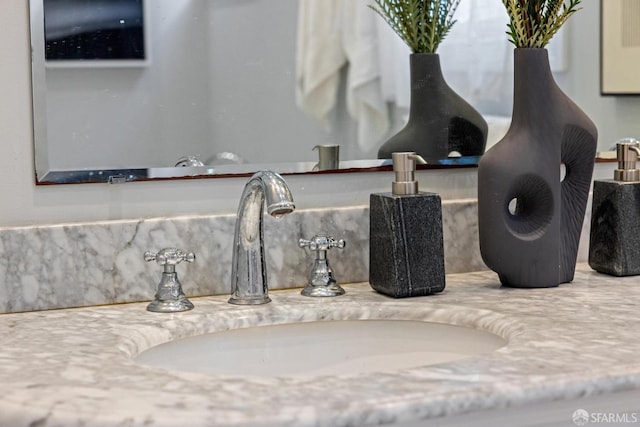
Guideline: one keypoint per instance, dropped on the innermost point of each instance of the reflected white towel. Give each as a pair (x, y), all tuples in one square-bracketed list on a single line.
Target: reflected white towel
[(319, 57), (332, 33), (365, 102)]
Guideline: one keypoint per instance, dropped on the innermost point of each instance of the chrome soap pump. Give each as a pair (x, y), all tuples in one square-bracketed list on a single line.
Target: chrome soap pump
[(614, 246), (406, 249)]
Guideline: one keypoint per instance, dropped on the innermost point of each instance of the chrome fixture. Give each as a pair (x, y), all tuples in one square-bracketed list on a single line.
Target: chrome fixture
[(169, 298), (404, 166), (628, 152), (328, 157), (249, 283), (321, 280), (188, 161)]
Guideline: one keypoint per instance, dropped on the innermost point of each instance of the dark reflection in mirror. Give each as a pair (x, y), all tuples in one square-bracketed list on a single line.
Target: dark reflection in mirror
[(94, 30)]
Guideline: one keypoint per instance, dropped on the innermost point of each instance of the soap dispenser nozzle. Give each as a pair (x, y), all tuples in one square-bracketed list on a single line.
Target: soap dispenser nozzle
[(404, 165), (627, 152)]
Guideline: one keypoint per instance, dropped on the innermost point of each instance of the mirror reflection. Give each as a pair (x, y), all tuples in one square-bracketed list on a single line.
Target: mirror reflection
[(221, 87)]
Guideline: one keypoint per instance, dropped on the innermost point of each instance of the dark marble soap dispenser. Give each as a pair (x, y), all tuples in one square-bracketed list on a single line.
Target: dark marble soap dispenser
[(406, 249), (614, 246)]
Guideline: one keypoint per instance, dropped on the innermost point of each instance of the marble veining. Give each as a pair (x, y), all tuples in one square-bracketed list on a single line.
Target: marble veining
[(75, 367), (75, 265)]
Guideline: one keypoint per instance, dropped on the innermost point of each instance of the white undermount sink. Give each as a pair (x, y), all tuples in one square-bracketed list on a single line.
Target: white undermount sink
[(322, 348)]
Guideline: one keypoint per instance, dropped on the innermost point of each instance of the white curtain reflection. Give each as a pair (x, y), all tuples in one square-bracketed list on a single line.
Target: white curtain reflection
[(477, 57)]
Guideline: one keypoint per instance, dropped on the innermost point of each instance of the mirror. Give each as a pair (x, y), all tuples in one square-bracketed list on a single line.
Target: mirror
[(207, 85)]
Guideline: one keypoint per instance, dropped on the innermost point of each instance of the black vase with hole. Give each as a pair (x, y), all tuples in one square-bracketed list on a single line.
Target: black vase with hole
[(530, 218), (440, 121)]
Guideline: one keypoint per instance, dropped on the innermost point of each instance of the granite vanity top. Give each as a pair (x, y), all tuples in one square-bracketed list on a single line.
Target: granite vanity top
[(75, 367)]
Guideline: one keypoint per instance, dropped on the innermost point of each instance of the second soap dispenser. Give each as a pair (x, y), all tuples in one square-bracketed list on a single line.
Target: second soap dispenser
[(614, 246), (406, 255)]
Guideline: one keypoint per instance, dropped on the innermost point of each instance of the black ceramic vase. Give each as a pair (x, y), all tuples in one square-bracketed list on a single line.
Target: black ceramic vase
[(440, 121), (530, 219)]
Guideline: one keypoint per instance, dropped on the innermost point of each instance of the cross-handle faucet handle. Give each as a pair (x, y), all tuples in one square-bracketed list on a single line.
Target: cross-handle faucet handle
[(169, 257), (169, 298), (322, 242), (321, 281)]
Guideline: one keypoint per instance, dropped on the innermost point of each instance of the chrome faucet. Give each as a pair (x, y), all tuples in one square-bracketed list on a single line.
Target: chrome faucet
[(249, 283)]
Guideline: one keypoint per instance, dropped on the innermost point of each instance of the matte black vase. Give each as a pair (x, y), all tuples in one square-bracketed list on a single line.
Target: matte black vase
[(530, 219), (440, 121)]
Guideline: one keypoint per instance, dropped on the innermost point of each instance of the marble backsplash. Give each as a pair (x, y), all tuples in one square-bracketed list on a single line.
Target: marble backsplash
[(73, 265)]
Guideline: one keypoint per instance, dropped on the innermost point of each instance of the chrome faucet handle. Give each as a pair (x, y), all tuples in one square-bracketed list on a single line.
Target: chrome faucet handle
[(169, 298), (321, 281), (322, 242), (169, 256)]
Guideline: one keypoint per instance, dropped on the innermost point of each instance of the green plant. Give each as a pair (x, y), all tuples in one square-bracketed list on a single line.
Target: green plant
[(422, 24), (534, 22)]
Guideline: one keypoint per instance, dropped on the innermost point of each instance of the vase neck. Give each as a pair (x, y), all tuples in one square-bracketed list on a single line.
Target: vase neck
[(425, 64), (427, 80), (534, 84)]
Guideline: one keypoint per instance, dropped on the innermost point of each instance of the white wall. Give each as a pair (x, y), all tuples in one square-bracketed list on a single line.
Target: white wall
[(615, 117), (23, 203)]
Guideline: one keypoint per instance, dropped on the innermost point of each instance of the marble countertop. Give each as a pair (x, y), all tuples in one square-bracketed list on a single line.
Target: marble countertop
[(75, 367)]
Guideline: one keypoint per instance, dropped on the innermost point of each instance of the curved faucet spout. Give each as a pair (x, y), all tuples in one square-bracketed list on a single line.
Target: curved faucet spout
[(249, 284)]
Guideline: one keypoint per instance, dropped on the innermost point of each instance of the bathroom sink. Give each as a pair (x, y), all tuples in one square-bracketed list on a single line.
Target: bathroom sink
[(322, 348)]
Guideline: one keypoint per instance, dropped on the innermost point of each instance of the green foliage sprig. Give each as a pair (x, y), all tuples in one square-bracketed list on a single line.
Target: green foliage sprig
[(534, 22), (422, 24)]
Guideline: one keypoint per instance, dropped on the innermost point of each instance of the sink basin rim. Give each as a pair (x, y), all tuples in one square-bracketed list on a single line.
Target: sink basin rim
[(483, 321)]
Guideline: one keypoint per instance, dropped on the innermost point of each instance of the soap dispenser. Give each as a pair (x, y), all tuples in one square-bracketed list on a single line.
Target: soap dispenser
[(614, 246), (406, 249)]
